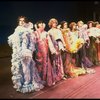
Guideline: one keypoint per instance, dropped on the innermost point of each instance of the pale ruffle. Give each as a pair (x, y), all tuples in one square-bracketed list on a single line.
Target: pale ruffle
[(19, 83)]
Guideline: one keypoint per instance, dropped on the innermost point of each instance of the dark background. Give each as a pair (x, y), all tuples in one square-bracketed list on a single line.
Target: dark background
[(44, 10)]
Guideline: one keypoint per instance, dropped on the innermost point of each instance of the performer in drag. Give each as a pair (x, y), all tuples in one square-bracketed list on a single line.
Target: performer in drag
[(59, 45), (24, 73), (42, 58)]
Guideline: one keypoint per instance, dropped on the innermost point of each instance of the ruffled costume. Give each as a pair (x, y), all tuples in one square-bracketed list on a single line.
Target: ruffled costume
[(24, 73)]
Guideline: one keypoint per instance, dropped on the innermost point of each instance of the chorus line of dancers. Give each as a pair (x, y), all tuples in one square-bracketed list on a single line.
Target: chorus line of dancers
[(42, 58)]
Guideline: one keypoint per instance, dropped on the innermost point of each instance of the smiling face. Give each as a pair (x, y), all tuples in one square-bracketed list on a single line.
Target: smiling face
[(54, 24), (41, 25), (80, 23), (90, 25), (65, 25), (73, 26), (21, 22)]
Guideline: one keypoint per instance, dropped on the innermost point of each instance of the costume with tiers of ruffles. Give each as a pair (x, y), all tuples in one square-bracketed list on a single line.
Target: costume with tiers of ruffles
[(24, 72)]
